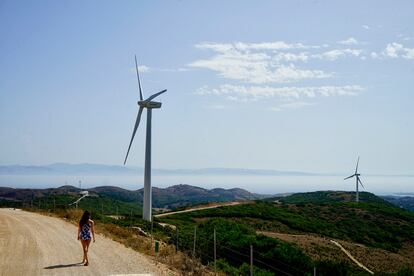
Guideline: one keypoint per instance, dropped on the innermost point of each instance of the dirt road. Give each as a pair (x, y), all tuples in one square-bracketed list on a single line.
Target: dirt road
[(33, 244), (217, 205)]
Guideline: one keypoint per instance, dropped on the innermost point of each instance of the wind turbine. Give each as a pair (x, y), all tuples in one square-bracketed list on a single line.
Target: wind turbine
[(358, 180), (149, 105)]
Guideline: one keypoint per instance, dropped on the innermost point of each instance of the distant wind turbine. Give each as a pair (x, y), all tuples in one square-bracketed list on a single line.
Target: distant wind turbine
[(149, 105), (358, 180)]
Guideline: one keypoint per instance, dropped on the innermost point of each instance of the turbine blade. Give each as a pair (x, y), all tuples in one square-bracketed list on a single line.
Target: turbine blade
[(139, 82), (155, 95), (349, 177), (356, 169), (135, 130), (359, 180)]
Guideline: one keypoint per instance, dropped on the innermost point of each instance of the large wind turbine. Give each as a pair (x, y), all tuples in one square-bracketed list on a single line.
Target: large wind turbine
[(358, 181), (149, 105)]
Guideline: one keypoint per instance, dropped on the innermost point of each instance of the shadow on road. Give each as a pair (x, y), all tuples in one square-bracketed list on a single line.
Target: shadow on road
[(62, 266)]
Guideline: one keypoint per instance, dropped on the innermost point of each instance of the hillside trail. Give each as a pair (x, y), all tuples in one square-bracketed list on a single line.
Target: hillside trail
[(351, 257), (316, 240), (34, 244), (217, 205)]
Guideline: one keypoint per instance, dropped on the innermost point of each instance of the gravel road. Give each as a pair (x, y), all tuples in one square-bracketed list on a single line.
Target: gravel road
[(34, 244)]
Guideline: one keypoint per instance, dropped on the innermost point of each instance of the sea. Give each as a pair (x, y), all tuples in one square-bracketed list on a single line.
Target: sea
[(262, 184)]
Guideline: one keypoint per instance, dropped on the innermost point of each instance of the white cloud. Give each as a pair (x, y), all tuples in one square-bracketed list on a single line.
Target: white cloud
[(276, 45), (366, 27), (143, 69), (254, 93), (349, 41), (338, 53), (291, 57), (395, 50), (257, 67), (409, 53), (146, 69), (374, 55), (270, 62), (392, 49)]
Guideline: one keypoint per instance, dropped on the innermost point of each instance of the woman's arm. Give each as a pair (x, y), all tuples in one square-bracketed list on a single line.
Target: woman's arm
[(79, 230), (93, 229)]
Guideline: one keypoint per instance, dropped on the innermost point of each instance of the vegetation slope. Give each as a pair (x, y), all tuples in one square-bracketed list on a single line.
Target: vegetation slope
[(373, 223)]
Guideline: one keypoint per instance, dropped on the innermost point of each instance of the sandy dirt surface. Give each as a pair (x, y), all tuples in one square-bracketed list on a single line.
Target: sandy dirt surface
[(33, 244)]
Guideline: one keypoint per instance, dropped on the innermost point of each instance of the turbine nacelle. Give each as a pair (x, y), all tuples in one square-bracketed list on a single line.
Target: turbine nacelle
[(149, 104)]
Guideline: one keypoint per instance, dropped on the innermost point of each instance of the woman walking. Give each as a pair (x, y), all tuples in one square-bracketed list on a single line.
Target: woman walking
[(86, 226)]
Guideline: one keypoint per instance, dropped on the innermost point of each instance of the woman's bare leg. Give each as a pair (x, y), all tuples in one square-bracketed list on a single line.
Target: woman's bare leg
[(87, 242), (84, 247)]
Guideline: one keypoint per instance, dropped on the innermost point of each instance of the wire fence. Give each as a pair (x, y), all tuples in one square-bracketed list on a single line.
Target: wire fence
[(209, 250)]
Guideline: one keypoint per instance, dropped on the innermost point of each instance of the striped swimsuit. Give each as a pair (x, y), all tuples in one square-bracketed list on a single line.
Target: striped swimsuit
[(85, 233)]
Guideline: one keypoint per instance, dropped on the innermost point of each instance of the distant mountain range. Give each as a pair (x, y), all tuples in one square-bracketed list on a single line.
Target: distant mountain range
[(170, 198), (97, 169)]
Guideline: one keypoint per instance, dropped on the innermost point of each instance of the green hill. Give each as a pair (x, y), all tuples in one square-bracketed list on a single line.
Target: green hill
[(113, 198), (372, 222), (322, 197)]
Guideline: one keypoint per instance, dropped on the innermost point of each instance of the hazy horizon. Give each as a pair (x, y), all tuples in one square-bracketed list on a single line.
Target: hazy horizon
[(254, 183)]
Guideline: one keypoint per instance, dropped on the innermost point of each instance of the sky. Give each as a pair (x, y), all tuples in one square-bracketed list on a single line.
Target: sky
[(284, 85)]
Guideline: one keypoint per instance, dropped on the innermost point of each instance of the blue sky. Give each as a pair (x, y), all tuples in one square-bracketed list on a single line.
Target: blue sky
[(292, 85)]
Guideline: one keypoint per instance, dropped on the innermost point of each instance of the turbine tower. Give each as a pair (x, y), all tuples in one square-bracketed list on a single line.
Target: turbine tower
[(149, 105), (358, 180)]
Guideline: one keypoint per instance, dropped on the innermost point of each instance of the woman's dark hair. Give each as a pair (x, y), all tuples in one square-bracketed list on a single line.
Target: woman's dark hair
[(85, 218)]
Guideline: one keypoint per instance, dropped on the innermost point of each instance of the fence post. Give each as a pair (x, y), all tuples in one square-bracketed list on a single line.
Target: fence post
[(152, 226), (195, 236), (215, 268), (314, 271), (102, 208), (54, 204), (251, 260), (176, 247), (130, 216)]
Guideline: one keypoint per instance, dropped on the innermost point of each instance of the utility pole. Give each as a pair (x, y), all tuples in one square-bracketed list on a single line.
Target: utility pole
[(102, 208), (251, 260), (176, 247), (215, 254), (152, 226), (195, 237), (130, 216)]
